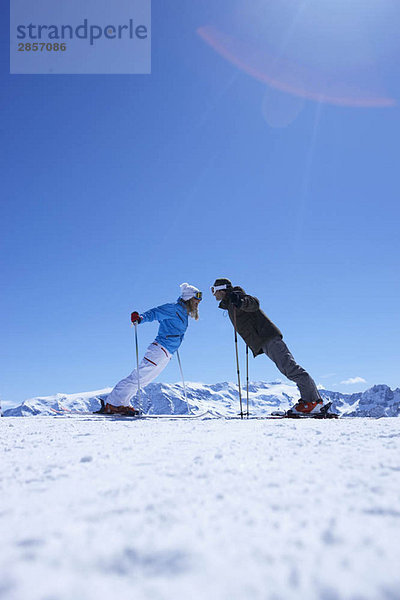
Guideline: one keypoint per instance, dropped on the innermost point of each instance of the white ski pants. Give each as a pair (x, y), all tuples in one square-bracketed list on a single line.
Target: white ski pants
[(154, 361)]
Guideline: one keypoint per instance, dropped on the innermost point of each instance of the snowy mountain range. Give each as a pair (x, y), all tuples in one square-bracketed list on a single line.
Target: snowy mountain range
[(219, 399)]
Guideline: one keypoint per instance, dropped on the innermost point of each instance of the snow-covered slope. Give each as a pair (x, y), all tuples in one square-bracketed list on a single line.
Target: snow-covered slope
[(219, 399), (215, 509)]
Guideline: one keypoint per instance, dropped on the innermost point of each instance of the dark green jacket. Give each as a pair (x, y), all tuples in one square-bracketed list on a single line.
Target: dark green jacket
[(252, 323)]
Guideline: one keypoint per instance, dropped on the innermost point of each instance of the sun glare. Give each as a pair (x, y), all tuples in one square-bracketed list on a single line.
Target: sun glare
[(328, 51)]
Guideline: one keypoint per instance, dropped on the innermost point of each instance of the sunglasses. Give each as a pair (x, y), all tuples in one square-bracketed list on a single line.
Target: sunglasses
[(216, 288), (198, 295)]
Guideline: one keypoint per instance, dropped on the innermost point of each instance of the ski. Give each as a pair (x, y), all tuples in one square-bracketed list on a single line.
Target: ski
[(197, 416), (61, 411), (117, 417), (279, 414), (144, 417), (277, 417)]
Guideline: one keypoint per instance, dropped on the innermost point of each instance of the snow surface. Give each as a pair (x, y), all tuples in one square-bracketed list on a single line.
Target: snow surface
[(96, 508), (220, 398)]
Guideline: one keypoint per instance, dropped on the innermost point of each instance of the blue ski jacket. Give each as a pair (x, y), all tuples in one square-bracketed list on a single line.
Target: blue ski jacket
[(173, 319)]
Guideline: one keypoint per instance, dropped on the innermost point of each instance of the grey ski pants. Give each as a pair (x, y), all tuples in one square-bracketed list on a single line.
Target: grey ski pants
[(279, 353)]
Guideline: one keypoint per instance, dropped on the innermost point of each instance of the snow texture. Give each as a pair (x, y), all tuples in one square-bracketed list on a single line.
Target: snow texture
[(96, 508), (220, 398)]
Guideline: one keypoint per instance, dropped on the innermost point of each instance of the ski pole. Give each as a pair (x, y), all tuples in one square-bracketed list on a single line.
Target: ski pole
[(237, 363), (247, 378), (183, 380), (137, 367)]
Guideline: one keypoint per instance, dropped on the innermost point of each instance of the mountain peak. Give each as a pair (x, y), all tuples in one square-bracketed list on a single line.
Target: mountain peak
[(220, 399)]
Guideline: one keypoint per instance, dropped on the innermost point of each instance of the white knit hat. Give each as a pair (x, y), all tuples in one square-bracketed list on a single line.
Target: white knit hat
[(188, 291)]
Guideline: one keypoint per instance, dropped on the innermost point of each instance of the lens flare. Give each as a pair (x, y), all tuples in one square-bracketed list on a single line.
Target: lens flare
[(355, 86)]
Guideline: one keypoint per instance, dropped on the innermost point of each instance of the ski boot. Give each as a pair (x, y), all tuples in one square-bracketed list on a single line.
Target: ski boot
[(315, 410), (305, 409), (110, 409)]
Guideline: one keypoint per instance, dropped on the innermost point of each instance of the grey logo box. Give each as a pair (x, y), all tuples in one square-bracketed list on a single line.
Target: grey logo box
[(80, 37)]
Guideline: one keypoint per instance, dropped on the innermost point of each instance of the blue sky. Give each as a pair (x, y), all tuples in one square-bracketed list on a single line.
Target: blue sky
[(116, 189)]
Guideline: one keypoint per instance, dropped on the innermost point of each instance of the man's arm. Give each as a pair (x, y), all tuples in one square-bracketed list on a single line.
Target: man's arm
[(249, 303), (244, 302)]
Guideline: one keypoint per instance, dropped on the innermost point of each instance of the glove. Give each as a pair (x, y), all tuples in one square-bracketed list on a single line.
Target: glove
[(136, 318), (236, 300)]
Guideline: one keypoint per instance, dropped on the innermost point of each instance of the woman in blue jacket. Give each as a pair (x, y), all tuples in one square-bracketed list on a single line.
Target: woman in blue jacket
[(173, 319)]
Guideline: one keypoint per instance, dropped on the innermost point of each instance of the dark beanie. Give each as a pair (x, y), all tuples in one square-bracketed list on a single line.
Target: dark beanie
[(222, 281)]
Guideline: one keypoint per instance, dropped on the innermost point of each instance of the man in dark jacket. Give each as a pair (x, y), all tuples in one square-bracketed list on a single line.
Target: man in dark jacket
[(263, 337)]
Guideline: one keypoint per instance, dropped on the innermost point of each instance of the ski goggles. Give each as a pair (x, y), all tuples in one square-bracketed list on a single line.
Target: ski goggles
[(198, 296), (216, 288)]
